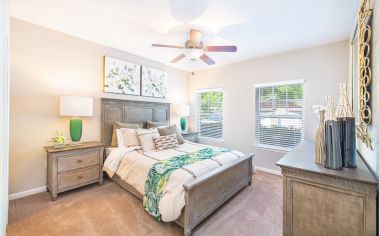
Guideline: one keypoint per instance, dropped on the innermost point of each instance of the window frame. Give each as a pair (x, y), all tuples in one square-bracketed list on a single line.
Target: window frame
[(198, 91), (272, 84)]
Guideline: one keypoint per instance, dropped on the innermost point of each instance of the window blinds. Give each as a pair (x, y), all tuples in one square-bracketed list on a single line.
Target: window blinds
[(279, 120), (209, 113)]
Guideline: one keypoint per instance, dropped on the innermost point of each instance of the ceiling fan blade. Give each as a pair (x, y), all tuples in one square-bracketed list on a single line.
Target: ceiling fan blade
[(166, 46), (207, 59), (178, 58), (221, 48), (195, 35)]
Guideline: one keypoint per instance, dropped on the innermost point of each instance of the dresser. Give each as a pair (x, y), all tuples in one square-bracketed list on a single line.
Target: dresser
[(319, 201), (191, 136), (74, 166)]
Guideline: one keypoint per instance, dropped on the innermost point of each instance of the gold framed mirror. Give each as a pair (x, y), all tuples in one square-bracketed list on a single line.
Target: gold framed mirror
[(362, 72)]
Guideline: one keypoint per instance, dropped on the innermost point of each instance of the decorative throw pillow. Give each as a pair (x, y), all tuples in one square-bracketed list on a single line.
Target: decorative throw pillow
[(129, 137), (119, 125), (166, 142), (120, 138), (151, 124), (164, 131), (146, 140)]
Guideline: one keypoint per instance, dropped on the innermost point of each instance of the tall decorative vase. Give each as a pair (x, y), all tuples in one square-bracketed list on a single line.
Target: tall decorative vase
[(346, 121), (319, 152), (348, 145), (76, 129), (183, 124), (332, 141)]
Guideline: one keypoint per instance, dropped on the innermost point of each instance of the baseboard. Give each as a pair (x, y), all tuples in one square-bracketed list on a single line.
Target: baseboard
[(14, 196), (275, 172)]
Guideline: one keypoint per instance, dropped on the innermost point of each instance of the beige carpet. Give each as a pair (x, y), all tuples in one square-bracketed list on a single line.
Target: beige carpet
[(110, 210)]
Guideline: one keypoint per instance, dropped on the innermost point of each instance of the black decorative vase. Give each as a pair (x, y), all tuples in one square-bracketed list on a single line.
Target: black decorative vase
[(332, 144), (347, 134)]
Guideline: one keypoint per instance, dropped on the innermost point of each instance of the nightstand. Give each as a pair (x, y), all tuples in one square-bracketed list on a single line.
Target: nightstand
[(74, 166), (191, 136)]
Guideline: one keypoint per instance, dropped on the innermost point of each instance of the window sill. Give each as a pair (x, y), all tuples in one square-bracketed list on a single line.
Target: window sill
[(271, 149)]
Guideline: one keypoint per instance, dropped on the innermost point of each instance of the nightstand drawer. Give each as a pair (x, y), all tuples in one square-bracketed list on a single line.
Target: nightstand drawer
[(75, 178), (77, 162)]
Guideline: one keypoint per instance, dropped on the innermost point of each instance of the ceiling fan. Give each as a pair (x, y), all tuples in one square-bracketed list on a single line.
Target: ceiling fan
[(194, 49)]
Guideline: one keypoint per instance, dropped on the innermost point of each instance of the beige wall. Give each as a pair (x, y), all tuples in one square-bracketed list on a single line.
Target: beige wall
[(44, 65), (322, 68)]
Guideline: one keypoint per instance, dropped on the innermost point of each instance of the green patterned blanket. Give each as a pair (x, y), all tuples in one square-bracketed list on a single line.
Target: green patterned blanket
[(160, 172)]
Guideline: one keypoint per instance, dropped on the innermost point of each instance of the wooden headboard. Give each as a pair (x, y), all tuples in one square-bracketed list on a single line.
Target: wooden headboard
[(128, 111)]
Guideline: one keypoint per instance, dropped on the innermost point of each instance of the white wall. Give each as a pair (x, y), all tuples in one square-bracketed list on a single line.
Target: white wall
[(44, 65), (4, 113), (322, 68)]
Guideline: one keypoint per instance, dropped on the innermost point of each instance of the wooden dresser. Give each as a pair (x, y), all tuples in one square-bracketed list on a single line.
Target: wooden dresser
[(319, 201), (73, 167)]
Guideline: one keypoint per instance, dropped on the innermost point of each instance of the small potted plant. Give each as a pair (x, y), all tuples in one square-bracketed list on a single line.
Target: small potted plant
[(59, 141)]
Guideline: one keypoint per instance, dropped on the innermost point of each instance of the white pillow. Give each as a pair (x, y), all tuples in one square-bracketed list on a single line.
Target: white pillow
[(146, 138), (130, 137), (120, 138)]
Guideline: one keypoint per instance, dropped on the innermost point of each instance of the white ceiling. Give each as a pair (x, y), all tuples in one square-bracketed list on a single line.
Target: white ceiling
[(256, 27)]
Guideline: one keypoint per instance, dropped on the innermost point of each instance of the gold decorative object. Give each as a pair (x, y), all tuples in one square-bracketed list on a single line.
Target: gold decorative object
[(319, 152), (343, 107), (363, 135), (364, 38)]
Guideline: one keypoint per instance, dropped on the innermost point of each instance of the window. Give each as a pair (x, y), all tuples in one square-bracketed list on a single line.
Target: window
[(209, 113), (279, 119)]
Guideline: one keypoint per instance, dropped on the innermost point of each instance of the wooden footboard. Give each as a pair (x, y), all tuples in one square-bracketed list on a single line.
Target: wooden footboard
[(208, 192)]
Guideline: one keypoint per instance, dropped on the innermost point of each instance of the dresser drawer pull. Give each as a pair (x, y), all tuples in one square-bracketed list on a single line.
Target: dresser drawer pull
[(80, 160), (80, 176)]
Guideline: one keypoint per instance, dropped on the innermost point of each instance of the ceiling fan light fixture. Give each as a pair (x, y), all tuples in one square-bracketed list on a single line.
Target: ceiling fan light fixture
[(193, 53)]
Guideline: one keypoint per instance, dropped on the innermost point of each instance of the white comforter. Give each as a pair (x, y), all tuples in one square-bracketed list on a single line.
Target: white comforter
[(133, 167)]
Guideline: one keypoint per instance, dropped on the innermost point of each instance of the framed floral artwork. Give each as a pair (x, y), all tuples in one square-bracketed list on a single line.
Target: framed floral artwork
[(121, 77), (154, 82)]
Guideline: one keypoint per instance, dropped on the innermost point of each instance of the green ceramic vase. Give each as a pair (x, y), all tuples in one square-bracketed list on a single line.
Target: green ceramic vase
[(183, 123), (76, 129)]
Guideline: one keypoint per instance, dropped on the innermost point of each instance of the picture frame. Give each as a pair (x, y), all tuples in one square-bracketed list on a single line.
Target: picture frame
[(154, 82), (121, 77)]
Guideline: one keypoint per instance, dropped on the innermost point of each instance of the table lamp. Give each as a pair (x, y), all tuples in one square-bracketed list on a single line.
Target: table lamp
[(76, 107), (182, 111)]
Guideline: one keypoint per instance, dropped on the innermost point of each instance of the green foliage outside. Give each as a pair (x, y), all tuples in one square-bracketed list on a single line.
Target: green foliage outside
[(211, 101), (282, 92)]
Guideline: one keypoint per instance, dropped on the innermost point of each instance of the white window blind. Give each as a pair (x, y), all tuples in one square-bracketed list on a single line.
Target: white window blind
[(209, 113), (279, 121)]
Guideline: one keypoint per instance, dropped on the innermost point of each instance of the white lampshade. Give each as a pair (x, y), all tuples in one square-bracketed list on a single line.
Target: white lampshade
[(181, 110), (75, 106)]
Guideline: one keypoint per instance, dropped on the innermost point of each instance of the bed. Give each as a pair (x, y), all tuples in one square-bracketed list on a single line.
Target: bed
[(202, 195)]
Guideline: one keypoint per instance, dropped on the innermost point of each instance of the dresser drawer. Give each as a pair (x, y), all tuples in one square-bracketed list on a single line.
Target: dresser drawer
[(77, 162), (78, 177)]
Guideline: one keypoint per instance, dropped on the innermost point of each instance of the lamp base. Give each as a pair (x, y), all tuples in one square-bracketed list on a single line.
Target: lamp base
[(183, 123), (76, 129), (74, 144)]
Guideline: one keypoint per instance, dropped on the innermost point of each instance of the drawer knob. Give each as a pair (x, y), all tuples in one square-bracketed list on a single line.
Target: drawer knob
[(80, 177), (80, 160)]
